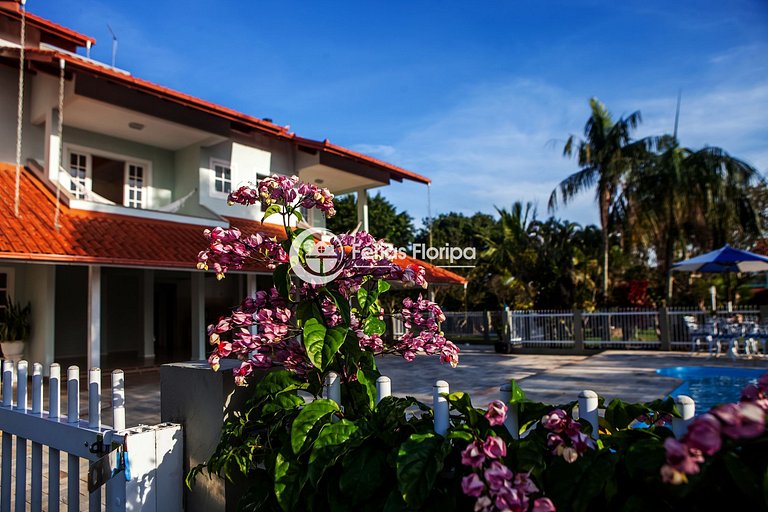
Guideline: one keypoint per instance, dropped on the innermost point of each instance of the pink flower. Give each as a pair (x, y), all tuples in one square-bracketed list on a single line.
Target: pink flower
[(743, 420), (498, 476), (494, 447), (555, 420), (472, 485), (670, 475), (473, 455), (524, 483), (681, 457), (497, 413), (513, 500), (704, 434), (483, 504), (543, 505)]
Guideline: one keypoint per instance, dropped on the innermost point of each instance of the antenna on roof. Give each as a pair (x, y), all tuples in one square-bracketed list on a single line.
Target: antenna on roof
[(114, 45), (677, 112)]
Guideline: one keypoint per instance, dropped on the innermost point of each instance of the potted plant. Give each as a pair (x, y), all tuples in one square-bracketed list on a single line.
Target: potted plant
[(14, 329)]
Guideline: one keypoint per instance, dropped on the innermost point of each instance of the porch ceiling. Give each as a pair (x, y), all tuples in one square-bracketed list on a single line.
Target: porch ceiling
[(103, 118), (338, 181)]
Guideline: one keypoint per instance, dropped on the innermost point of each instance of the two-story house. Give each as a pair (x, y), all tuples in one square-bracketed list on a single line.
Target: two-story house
[(101, 222)]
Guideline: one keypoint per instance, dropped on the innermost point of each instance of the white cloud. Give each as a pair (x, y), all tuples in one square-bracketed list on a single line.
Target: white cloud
[(502, 142)]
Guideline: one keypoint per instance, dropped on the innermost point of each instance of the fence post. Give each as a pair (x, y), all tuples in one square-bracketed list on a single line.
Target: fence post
[(588, 410), (486, 326), (54, 411), (383, 388), (578, 330), (687, 408), (333, 387), (664, 334), (440, 407), (512, 421)]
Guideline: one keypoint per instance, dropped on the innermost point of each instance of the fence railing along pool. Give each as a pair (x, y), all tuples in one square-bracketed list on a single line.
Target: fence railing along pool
[(628, 328)]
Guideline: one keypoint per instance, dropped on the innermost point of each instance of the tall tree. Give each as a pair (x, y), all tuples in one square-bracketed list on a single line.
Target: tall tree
[(680, 199), (604, 155), (507, 265), (384, 220)]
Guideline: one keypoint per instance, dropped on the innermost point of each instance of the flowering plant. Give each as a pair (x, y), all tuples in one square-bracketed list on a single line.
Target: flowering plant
[(357, 452)]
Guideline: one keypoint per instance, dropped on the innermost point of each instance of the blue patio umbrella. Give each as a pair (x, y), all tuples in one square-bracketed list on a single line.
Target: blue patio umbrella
[(725, 259)]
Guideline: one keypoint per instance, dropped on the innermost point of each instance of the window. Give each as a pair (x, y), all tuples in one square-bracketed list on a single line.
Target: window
[(222, 177), (135, 186), (6, 286), (79, 165), (107, 178)]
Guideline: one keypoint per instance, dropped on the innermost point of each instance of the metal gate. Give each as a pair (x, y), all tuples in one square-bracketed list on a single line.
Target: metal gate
[(126, 468)]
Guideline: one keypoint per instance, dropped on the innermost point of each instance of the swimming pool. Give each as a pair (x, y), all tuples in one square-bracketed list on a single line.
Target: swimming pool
[(710, 386)]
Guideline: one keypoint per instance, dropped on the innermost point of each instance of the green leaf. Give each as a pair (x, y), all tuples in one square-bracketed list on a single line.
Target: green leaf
[(297, 213), (313, 414), (271, 210), (364, 471), (374, 325), (282, 279), (321, 343), (367, 377), (516, 392), (382, 286), (285, 401), (289, 481), (461, 435), (765, 487), (330, 438), (341, 303), (362, 298), (276, 382), (743, 478), (419, 460)]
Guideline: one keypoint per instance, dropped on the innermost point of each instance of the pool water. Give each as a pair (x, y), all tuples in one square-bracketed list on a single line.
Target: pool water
[(710, 386)]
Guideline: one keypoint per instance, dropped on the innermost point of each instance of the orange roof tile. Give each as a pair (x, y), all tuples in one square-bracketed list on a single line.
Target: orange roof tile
[(109, 239), (13, 10)]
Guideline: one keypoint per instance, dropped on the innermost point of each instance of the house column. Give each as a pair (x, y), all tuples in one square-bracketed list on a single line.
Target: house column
[(148, 315), (40, 291), (362, 209), (52, 145), (197, 295), (94, 316)]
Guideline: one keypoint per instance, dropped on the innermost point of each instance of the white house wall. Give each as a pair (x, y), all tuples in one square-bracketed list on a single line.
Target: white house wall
[(32, 135)]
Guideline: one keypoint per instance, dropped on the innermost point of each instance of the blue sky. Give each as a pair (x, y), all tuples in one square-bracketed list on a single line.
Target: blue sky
[(479, 96)]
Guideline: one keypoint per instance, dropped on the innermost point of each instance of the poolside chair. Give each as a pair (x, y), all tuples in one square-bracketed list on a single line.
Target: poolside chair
[(699, 335)]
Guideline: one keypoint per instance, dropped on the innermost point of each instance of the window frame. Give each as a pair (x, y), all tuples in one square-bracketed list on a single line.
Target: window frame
[(214, 162), (127, 162), (10, 276)]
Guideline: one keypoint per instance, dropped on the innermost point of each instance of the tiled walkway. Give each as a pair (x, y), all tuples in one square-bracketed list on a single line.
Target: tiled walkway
[(549, 378)]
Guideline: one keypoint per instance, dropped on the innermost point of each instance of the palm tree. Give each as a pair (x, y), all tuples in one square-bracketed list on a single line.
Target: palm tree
[(605, 154), (508, 262), (679, 198)]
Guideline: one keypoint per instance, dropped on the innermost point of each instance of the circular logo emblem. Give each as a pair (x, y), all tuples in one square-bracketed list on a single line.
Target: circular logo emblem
[(317, 256)]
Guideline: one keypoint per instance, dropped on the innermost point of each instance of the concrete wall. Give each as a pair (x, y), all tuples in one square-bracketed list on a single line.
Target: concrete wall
[(33, 145), (35, 284), (248, 162), (187, 178)]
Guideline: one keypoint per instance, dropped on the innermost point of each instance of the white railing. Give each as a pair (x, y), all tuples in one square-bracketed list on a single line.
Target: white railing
[(587, 406), (638, 329), (126, 467)]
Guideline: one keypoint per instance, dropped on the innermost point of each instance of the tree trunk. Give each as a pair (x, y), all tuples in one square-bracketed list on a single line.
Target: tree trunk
[(605, 197)]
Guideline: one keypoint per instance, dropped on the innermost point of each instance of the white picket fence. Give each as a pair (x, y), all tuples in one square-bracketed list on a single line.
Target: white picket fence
[(139, 468), (587, 406)]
